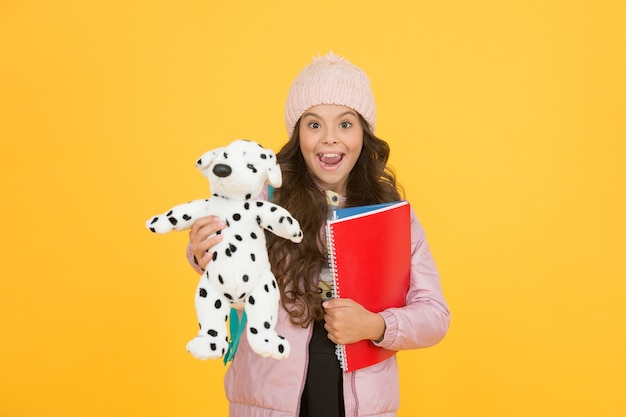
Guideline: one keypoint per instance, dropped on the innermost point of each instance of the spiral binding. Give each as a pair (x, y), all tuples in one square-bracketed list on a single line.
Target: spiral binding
[(332, 261), (340, 350)]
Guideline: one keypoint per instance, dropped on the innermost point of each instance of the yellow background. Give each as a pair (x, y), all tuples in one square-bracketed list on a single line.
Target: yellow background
[(506, 121)]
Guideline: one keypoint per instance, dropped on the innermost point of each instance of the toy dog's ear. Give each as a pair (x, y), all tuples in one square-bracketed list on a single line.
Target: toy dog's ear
[(274, 174), (204, 162)]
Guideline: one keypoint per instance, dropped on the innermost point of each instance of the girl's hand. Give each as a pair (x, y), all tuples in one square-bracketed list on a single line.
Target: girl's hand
[(348, 322), (203, 236)]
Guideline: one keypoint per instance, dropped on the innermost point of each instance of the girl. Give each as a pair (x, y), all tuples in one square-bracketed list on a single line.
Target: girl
[(332, 159)]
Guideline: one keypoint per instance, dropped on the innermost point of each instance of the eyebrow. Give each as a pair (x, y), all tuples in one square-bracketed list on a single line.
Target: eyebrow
[(347, 112)]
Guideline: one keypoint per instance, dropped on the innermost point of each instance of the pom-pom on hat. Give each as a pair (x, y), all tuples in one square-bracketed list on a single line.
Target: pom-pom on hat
[(330, 79)]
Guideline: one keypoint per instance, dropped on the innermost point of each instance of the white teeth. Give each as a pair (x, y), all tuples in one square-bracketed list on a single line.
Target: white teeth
[(330, 159)]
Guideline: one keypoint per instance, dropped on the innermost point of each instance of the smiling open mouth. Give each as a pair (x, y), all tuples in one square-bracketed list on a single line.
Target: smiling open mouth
[(330, 159)]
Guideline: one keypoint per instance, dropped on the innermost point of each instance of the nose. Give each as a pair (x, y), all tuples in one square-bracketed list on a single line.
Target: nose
[(222, 170), (330, 137)]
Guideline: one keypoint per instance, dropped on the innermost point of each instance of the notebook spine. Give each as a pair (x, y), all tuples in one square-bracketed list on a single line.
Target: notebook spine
[(332, 260), (340, 350)]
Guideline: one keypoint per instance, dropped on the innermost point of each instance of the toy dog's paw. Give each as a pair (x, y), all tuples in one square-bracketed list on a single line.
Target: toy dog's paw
[(297, 236), (206, 347), (269, 344), (293, 229), (159, 224)]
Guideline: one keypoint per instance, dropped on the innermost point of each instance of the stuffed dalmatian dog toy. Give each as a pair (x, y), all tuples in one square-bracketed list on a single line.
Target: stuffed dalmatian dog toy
[(239, 273)]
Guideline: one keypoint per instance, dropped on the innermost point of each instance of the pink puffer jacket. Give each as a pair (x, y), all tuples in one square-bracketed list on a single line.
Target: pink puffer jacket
[(265, 387)]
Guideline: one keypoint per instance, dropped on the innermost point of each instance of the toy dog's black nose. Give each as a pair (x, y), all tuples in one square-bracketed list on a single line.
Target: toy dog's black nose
[(222, 170)]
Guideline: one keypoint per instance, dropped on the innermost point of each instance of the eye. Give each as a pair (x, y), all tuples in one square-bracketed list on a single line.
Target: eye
[(314, 125), (252, 168), (345, 125)]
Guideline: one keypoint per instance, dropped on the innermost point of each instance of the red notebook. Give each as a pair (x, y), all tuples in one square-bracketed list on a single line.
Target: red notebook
[(370, 260)]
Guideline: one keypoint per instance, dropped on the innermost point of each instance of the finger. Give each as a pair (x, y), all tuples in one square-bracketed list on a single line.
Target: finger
[(330, 332), (202, 251), (205, 230), (203, 221), (207, 244), (203, 236), (337, 303), (204, 260), (207, 226)]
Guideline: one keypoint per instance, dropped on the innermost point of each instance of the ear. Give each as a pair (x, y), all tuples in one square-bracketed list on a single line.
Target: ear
[(274, 174), (204, 162)]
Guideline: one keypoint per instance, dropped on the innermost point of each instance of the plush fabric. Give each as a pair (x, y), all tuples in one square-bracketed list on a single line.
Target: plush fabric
[(239, 274)]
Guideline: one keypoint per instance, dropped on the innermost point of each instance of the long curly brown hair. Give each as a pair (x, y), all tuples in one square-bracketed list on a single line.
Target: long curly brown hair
[(296, 266)]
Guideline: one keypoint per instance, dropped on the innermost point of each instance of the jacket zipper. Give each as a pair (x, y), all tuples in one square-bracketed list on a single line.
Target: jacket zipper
[(306, 370), (350, 400)]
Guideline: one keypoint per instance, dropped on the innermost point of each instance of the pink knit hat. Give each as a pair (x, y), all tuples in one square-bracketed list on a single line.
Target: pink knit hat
[(330, 79)]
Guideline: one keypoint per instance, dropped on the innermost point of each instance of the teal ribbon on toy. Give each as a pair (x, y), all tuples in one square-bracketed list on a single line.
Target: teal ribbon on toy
[(236, 328)]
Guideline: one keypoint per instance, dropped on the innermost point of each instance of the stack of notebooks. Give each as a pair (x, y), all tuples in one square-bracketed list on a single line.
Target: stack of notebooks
[(370, 260)]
